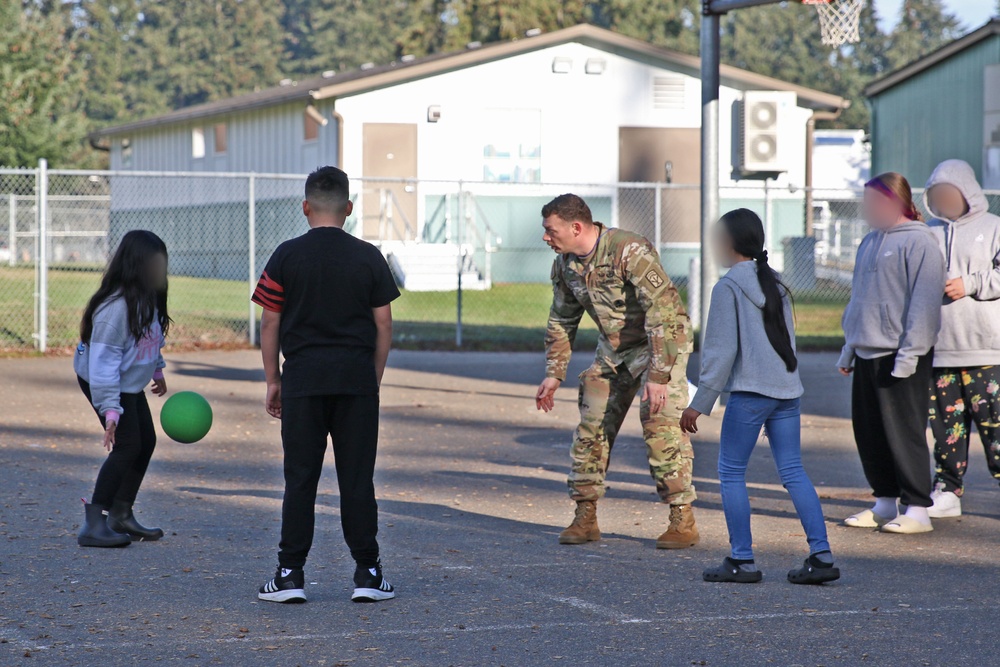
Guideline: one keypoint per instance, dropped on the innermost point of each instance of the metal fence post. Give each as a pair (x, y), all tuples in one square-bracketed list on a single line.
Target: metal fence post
[(694, 291), (658, 212), (461, 261), (12, 227), (768, 219), (43, 254), (252, 251)]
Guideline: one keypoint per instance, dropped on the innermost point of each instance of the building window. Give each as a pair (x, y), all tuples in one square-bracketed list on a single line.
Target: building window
[(512, 147), (311, 127), (221, 138), (198, 142), (126, 147)]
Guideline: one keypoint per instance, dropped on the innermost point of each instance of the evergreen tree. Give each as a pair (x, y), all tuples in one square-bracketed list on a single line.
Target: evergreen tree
[(192, 52), (343, 34), (782, 42), (924, 25), (106, 36), (862, 63), (430, 23), (447, 25), (43, 85), (670, 23)]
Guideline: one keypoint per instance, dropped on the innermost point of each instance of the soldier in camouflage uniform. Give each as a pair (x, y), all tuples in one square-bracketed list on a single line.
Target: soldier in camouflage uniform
[(616, 277)]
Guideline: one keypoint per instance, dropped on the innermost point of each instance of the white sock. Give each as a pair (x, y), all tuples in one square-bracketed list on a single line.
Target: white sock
[(886, 508), (918, 513)]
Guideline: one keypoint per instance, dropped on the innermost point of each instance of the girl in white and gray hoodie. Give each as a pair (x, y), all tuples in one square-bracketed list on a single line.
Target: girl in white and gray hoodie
[(121, 334), (966, 386), (890, 326)]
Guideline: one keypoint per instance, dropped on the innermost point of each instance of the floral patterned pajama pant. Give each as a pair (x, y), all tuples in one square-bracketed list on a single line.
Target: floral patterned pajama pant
[(959, 398)]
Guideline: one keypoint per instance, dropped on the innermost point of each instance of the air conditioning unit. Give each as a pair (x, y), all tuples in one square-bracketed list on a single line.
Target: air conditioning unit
[(764, 126)]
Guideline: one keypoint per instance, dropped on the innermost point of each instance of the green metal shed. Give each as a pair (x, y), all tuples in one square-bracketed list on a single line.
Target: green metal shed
[(934, 108)]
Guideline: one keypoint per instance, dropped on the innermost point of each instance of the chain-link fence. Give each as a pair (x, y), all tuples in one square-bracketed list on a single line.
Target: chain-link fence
[(469, 256)]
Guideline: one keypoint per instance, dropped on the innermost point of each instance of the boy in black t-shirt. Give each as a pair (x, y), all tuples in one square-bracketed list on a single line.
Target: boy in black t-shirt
[(326, 297)]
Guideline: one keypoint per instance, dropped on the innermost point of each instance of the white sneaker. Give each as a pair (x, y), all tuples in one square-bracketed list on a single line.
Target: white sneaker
[(946, 504)]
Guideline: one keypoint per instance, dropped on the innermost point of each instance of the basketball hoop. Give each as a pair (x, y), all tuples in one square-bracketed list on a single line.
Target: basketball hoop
[(840, 20)]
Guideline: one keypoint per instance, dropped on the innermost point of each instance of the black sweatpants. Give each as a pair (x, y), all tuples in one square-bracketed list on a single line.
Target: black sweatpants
[(135, 439), (890, 428), (306, 425)]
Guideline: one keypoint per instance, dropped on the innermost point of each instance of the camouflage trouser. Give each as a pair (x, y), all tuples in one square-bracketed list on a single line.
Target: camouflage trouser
[(605, 396)]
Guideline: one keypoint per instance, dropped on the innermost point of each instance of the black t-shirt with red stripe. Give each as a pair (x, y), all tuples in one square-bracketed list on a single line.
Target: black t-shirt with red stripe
[(325, 284)]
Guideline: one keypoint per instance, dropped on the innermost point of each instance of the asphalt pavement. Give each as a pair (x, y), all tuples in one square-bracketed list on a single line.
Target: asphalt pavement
[(471, 486)]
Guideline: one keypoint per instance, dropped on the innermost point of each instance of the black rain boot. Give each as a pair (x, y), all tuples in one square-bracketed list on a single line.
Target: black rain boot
[(121, 519), (95, 531)]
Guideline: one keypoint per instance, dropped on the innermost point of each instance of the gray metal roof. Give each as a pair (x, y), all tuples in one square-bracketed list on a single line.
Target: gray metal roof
[(930, 60), (364, 80)]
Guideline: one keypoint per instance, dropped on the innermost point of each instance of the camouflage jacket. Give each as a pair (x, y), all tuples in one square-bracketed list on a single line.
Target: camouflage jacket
[(625, 290)]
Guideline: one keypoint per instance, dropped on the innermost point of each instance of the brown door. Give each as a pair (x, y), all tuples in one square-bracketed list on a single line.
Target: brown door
[(389, 210), (660, 155)]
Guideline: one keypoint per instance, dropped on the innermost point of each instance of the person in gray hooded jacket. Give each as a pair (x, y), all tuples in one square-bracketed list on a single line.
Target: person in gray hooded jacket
[(890, 326), (749, 350), (966, 385)]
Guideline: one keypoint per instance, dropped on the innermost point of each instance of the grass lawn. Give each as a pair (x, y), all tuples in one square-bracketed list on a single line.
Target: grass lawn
[(204, 311), (214, 312)]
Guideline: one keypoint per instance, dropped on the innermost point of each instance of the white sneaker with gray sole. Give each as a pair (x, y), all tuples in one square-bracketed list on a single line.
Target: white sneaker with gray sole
[(946, 504)]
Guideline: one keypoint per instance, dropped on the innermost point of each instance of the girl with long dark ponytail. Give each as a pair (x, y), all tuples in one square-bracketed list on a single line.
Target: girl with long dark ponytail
[(746, 231), (121, 334), (749, 351)]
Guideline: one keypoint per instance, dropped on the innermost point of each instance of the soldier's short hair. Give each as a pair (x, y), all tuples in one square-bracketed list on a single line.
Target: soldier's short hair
[(569, 207)]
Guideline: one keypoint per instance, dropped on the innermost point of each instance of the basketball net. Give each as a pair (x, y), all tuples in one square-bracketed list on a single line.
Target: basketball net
[(839, 20)]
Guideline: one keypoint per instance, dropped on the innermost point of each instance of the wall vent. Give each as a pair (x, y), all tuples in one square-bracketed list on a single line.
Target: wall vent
[(668, 93)]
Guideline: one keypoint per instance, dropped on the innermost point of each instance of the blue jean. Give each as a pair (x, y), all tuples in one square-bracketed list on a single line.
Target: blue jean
[(746, 414)]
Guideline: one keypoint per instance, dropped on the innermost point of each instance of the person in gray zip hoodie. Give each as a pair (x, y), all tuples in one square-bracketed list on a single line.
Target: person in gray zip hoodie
[(121, 334), (749, 350), (890, 325), (967, 355)]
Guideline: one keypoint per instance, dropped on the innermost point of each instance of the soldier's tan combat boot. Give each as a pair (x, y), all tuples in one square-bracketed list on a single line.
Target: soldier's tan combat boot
[(584, 527), (682, 533)]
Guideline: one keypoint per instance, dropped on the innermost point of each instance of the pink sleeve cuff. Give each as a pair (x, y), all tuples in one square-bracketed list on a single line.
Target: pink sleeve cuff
[(112, 416), (158, 374)]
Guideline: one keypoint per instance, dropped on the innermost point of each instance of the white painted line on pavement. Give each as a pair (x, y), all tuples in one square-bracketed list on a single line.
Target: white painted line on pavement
[(615, 619), (886, 611), (274, 639), (598, 609)]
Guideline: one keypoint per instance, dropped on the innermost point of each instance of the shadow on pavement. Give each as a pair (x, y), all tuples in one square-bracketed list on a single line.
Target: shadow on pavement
[(216, 372)]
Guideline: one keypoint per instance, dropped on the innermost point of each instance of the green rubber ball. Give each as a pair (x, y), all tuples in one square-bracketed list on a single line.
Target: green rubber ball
[(186, 417)]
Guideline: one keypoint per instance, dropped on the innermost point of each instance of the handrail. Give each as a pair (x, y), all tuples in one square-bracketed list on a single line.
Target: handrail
[(387, 201), (487, 227)]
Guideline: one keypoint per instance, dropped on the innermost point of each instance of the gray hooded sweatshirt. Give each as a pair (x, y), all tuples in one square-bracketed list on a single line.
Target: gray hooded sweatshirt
[(114, 363), (737, 356), (896, 296), (970, 327)]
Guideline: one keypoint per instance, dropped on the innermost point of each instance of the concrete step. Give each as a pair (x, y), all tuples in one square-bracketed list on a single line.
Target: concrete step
[(432, 267)]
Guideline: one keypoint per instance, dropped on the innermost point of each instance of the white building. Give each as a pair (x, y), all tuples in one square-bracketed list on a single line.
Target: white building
[(578, 106)]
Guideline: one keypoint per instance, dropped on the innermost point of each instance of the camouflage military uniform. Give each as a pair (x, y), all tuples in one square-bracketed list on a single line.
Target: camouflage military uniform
[(645, 336)]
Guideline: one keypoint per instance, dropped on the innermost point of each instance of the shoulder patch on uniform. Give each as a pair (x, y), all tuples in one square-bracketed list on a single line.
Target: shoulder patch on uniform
[(654, 278)]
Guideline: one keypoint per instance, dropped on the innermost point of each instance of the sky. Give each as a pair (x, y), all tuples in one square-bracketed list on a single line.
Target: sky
[(973, 13)]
